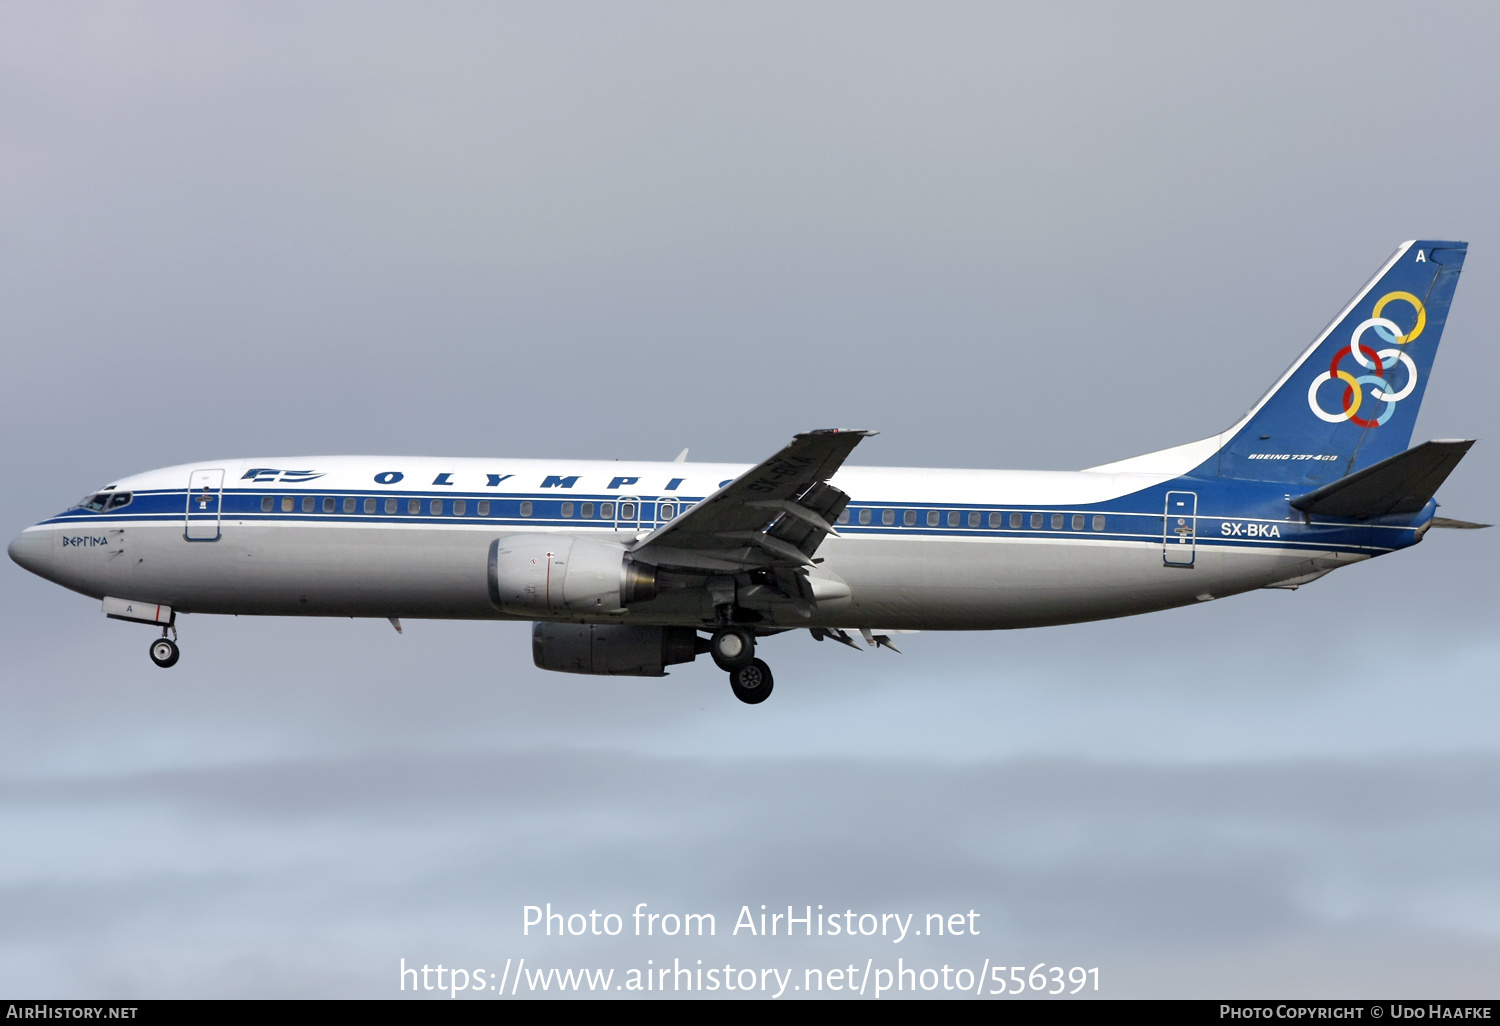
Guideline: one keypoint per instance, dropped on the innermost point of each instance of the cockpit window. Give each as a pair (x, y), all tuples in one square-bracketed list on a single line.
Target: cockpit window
[(101, 501)]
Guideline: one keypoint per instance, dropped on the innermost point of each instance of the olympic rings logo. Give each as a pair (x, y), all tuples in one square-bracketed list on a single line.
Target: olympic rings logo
[(1370, 360)]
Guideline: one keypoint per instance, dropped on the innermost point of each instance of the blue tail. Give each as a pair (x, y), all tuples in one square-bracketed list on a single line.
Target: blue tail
[(1352, 398)]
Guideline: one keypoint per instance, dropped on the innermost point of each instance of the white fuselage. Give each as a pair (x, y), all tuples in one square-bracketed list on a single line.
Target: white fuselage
[(916, 550)]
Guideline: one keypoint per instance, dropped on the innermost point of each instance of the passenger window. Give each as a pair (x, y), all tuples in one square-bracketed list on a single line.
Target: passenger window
[(1036, 521), (308, 502), (349, 504), (864, 516), (953, 518), (369, 505), (844, 517), (995, 520), (932, 517), (1098, 523), (390, 506), (627, 511), (414, 507), (606, 511), (1078, 521), (460, 507), (974, 519), (286, 504), (484, 507), (328, 504), (526, 508), (586, 511), (436, 507), (266, 504), (887, 516), (567, 509), (1057, 521), (909, 517), (1015, 520), (668, 511)]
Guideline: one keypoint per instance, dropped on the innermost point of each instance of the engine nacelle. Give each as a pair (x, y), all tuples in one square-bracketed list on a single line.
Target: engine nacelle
[(614, 649), (540, 574)]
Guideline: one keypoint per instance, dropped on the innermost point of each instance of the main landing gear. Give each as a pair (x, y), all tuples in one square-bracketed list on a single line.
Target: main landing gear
[(164, 651), (733, 650), (752, 683)]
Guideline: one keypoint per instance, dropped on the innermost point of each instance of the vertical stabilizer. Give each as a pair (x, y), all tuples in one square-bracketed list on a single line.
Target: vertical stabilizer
[(1351, 400)]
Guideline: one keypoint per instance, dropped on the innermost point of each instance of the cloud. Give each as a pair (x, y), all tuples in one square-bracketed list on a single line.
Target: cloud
[(316, 877)]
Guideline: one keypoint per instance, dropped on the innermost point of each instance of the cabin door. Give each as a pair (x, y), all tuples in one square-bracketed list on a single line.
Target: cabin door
[(205, 493), (1180, 533)]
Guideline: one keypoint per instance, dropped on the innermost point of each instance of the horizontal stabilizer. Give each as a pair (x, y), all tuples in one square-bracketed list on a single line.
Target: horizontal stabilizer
[(1461, 525), (1404, 483)]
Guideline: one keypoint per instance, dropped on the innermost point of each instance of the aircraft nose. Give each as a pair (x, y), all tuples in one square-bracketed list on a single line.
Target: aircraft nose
[(32, 550)]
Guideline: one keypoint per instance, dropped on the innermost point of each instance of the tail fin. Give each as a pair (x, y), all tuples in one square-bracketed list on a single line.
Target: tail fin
[(1351, 400)]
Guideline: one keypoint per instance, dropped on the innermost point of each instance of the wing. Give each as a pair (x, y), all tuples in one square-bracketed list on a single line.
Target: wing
[(773, 516)]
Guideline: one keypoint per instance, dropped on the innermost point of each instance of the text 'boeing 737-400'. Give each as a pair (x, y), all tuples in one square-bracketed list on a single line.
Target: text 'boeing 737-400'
[(628, 568)]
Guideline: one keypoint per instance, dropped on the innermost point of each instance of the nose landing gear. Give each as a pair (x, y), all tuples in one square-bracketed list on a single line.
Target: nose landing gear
[(751, 683), (164, 652)]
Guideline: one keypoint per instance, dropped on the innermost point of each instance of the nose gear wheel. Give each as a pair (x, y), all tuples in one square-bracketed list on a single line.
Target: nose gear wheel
[(164, 652)]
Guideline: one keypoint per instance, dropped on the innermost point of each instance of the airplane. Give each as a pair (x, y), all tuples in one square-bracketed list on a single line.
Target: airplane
[(626, 568)]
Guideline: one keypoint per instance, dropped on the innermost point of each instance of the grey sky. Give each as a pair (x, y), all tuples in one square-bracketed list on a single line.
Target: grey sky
[(1003, 236)]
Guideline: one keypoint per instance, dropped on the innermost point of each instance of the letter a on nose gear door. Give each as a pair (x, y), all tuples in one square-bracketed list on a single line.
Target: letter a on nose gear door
[(1180, 534), (205, 492)]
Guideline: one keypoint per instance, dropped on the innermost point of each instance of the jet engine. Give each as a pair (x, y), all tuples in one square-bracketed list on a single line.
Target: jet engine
[(541, 574), (621, 650)]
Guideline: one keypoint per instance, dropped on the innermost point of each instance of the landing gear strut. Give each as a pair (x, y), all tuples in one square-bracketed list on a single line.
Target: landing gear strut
[(752, 682)]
